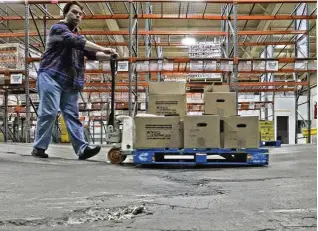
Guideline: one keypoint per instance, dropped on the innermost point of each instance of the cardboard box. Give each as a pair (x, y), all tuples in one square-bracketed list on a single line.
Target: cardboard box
[(167, 105), (158, 132), (167, 88), (217, 88), (202, 131), (167, 98), (222, 104), (241, 132)]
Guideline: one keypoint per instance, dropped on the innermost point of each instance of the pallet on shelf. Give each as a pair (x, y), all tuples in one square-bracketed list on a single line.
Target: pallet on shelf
[(276, 143)]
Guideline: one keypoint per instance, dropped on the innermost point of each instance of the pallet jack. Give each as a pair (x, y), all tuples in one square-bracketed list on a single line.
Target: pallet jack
[(120, 128)]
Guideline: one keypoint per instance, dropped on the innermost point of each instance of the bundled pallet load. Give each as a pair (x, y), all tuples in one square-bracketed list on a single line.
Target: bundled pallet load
[(12, 58), (168, 126)]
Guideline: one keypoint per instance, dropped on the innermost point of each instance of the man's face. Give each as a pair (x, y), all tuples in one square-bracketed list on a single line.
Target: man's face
[(74, 15)]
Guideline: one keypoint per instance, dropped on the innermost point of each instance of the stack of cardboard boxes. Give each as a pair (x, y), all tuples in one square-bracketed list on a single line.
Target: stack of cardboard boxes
[(168, 126), (163, 126)]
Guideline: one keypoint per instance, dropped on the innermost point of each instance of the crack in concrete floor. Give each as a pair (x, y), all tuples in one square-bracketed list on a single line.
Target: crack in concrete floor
[(84, 215)]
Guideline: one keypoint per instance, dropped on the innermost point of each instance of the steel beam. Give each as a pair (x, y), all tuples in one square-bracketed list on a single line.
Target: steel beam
[(203, 33), (173, 16), (194, 1)]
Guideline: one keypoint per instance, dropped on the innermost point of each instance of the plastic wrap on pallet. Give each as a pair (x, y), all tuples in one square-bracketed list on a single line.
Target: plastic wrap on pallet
[(227, 65), (312, 65), (155, 65), (12, 56), (301, 65), (196, 65), (272, 65), (92, 65), (210, 65), (142, 66), (245, 66), (258, 65), (167, 66)]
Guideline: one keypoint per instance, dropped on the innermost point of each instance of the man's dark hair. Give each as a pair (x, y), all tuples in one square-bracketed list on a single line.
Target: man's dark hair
[(68, 6)]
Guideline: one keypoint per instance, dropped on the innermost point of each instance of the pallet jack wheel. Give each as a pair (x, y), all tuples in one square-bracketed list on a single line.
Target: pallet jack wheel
[(115, 156)]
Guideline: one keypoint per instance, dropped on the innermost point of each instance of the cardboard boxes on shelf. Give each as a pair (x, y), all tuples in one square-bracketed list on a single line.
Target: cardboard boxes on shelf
[(167, 98), (12, 56)]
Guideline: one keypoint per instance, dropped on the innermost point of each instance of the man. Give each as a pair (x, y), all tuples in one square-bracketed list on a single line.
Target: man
[(61, 77)]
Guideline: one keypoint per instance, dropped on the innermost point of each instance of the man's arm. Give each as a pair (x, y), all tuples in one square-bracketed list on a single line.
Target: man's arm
[(62, 33), (101, 56), (89, 46)]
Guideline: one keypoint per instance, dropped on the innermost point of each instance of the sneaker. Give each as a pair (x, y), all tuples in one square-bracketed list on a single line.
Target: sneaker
[(89, 152), (39, 153)]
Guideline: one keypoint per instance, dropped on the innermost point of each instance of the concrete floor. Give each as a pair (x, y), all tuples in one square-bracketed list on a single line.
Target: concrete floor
[(62, 193)]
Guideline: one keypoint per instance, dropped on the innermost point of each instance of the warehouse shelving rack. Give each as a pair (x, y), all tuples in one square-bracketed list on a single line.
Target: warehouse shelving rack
[(138, 80)]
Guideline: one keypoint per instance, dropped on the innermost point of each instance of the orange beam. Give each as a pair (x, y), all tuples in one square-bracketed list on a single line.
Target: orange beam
[(169, 44), (267, 90), (265, 43), (176, 72), (240, 84), (195, 85), (265, 84), (203, 33), (195, 1), (240, 90), (272, 32), (245, 103), (174, 16), (284, 70), (187, 60)]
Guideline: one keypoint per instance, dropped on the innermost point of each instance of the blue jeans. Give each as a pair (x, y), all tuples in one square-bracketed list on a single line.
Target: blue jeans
[(52, 98)]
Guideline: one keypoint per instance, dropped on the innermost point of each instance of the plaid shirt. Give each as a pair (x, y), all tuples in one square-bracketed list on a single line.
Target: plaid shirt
[(63, 58)]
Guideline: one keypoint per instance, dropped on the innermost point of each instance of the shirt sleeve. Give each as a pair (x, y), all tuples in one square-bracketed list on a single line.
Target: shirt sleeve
[(90, 55), (61, 33)]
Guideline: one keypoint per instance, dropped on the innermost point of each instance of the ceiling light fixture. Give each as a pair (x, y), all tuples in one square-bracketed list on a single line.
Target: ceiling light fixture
[(188, 41)]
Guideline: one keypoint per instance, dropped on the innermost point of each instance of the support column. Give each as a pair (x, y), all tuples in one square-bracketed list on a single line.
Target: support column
[(147, 49), (5, 116), (133, 52), (268, 77), (302, 51), (235, 63), (225, 40), (26, 74), (44, 26)]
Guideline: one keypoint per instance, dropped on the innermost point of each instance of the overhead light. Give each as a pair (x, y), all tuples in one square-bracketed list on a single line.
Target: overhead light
[(188, 41)]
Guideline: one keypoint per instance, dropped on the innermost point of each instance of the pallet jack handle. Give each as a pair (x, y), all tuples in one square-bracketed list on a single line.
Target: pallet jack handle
[(113, 68)]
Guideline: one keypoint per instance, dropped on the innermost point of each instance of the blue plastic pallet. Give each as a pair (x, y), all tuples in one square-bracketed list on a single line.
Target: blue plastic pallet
[(276, 143), (199, 156)]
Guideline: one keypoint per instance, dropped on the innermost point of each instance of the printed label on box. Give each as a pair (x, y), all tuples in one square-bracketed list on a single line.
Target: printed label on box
[(16, 79), (122, 65)]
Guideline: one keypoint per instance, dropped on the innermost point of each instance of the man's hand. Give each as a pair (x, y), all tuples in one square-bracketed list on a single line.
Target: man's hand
[(110, 51)]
